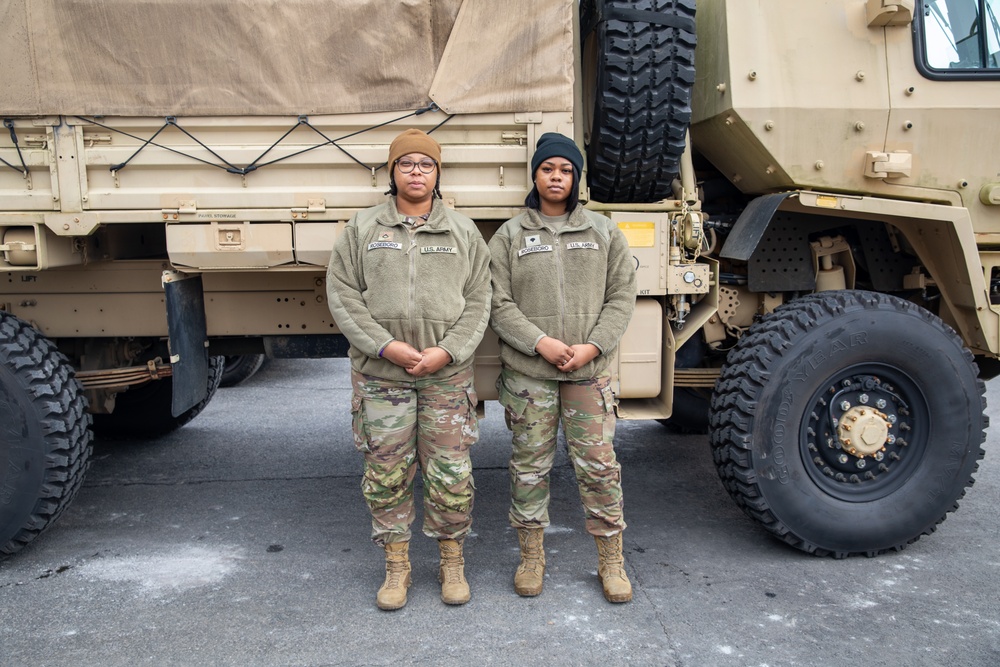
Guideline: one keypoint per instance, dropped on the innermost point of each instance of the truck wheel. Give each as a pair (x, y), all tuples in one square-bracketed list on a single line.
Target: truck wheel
[(639, 57), (45, 439), (848, 422), (144, 411), (240, 367)]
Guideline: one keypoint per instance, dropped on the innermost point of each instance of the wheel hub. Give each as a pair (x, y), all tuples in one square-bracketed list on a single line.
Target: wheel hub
[(863, 431), (857, 432)]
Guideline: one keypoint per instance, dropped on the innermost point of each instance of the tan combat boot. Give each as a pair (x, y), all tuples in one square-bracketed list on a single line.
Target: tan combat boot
[(392, 595), (611, 568), (530, 573), (454, 587)]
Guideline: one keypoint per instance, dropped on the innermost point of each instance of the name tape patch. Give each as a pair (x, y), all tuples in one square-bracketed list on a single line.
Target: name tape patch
[(586, 245), (425, 250), (385, 244), (535, 248)]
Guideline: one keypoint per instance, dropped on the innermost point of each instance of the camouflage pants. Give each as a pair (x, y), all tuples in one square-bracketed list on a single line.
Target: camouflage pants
[(400, 425), (533, 410)]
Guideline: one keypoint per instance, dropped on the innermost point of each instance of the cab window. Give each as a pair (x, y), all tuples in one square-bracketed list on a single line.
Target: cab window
[(958, 38)]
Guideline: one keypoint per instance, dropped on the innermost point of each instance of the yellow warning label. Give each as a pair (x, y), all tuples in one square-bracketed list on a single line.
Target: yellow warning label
[(639, 234)]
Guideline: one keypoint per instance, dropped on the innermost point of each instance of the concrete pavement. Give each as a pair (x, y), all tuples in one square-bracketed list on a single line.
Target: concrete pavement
[(242, 539)]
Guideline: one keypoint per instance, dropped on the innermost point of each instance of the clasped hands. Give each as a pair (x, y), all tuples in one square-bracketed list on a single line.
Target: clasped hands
[(566, 358), (416, 362)]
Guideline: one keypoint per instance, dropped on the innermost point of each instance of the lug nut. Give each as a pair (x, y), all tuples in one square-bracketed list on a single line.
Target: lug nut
[(863, 398), (845, 406), (880, 404), (842, 458)]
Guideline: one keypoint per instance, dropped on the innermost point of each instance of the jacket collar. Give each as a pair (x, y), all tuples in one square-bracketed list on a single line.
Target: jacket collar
[(391, 217), (577, 220)]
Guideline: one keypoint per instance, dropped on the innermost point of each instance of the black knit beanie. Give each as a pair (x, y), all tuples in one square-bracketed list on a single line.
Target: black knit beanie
[(552, 144)]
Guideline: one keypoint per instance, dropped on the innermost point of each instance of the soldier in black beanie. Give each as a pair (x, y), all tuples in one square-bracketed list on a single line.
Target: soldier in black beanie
[(563, 293)]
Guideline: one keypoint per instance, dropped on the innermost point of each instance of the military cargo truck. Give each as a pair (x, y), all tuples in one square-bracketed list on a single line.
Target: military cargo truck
[(811, 191)]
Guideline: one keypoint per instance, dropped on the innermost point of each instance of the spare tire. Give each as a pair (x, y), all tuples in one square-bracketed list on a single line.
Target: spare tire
[(638, 72)]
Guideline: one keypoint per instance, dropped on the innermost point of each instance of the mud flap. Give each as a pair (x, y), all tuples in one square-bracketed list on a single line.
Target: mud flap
[(188, 339), (751, 225)]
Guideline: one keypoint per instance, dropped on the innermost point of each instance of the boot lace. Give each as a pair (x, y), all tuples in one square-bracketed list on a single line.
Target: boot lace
[(452, 565), (531, 552), (612, 559), (395, 570)]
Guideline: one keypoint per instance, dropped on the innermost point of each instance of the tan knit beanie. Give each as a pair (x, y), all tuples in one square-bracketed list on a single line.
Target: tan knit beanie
[(414, 141)]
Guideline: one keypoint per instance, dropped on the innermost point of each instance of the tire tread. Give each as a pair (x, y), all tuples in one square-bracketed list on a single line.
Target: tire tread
[(643, 106), (58, 400), (744, 376)]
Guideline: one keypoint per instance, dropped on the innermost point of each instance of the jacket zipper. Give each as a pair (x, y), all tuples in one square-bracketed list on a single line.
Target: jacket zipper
[(562, 287), (412, 303)]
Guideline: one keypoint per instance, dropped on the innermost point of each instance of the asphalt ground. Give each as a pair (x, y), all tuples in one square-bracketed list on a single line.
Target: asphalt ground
[(242, 539)]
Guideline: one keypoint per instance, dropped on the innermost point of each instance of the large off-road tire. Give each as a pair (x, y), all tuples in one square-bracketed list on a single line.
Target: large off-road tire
[(144, 411), (240, 368), (639, 71), (892, 372), (45, 439)]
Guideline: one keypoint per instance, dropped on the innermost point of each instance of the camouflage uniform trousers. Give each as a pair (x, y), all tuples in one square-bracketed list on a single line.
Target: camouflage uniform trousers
[(398, 425), (533, 411)]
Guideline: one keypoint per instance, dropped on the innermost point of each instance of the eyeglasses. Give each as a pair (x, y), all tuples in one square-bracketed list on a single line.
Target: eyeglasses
[(406, 165)]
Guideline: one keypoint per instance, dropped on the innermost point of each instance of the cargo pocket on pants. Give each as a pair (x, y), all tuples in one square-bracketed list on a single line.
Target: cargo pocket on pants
[(609, 418), (358, 426), (513, 405), (470, 431)]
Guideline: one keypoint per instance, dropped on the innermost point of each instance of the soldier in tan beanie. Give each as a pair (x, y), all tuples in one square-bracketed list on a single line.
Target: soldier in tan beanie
[(414, 141), (409, 286)]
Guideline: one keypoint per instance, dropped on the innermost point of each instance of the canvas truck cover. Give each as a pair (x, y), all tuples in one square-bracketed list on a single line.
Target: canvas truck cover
[(281, 57)]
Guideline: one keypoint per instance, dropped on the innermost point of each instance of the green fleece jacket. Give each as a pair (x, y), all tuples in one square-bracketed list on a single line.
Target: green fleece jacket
[(576, 284), (431, 291)]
